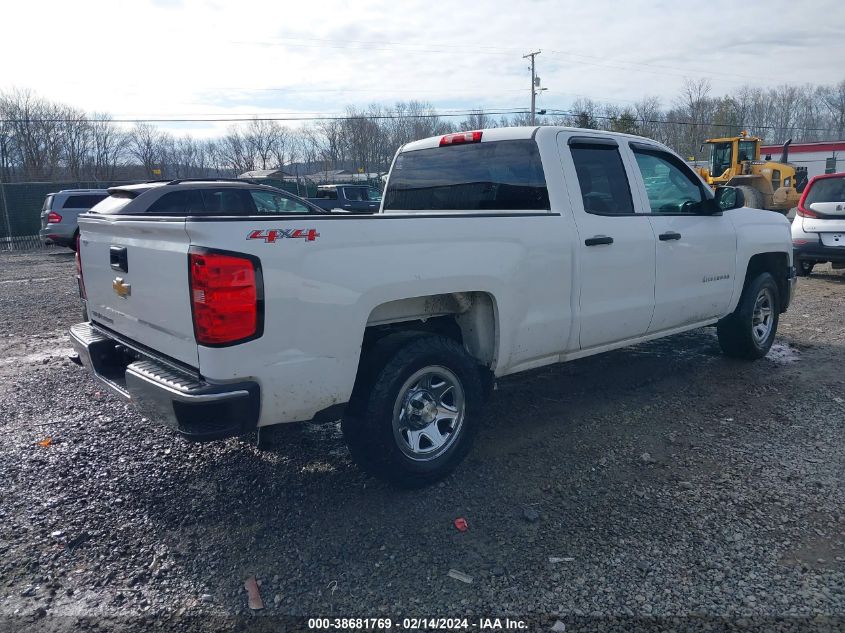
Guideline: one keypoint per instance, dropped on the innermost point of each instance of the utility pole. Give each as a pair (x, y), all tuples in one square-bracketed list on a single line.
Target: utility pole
[(533, 85)]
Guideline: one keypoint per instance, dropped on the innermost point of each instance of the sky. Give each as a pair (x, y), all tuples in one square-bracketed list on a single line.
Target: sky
[(224, 58)]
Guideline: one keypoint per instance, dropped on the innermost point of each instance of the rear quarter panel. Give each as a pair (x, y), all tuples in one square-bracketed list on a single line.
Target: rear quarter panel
[(319, 294)]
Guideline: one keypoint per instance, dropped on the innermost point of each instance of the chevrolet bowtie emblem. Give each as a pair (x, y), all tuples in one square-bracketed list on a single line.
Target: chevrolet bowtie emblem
[(121, 288)]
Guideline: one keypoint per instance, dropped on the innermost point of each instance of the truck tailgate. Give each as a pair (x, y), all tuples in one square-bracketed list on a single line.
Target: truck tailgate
[(136, 281)]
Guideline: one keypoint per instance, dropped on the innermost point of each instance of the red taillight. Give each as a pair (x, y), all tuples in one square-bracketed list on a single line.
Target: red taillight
[(460, 137), (53, 218), (78, 259), (225, 297)]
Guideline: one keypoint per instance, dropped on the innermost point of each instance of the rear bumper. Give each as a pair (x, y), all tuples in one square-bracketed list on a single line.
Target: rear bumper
[(53, 234), (197, 409), (816, 251)]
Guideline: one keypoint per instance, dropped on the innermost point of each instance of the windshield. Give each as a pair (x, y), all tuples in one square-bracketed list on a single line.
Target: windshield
[(747, 150), (720, 158)]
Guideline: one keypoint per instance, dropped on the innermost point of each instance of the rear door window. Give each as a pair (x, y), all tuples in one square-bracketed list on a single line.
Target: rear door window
[(228, 201), (602, 179), (274, 203), (83, 201), (354, 194), (173, 203), (492, 176)]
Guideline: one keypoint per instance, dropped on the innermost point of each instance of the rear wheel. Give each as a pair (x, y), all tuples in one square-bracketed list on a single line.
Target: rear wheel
[(753, 198), (414, 423), (805, 267), (750, 331)]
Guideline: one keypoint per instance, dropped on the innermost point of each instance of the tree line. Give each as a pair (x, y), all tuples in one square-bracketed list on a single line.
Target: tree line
[(44, 140)]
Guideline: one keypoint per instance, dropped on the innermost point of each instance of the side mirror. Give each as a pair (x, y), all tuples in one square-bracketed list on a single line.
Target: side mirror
[(729, 198)]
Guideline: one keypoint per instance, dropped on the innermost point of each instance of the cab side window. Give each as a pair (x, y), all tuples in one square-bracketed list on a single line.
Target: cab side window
[(602, 179), (671, 187)]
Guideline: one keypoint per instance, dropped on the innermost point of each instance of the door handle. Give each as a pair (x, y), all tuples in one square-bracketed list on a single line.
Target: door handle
[(669, 235), (118, 259), (598, 239)]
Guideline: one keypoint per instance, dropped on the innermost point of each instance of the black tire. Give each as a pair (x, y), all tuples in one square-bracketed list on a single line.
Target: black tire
[(376, 444), (753, 198), (805, 267), (737, 336), (72, 245)]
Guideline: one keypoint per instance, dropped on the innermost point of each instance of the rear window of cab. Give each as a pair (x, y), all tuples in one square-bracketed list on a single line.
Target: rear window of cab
[(491, 176)]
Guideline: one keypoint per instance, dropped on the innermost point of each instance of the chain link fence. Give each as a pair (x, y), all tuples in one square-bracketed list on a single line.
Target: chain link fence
[(20, 209)]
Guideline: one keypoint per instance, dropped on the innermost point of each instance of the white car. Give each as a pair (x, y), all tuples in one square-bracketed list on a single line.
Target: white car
[(818, 230), (494, 252)]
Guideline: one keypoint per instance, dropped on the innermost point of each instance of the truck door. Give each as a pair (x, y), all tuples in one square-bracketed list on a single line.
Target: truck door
[(695, 249), (615, 244)]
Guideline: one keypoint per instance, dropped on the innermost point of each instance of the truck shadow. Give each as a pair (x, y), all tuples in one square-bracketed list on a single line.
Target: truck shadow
[(569, 441)]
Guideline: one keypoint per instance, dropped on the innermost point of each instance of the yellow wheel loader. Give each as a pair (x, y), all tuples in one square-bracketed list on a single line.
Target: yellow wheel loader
[(766, 184)]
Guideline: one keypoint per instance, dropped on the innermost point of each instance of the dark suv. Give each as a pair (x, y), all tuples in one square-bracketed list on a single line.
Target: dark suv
[(203, 196)]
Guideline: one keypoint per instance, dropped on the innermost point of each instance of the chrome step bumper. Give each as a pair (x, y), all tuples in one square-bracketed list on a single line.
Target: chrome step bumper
[(197, 409)]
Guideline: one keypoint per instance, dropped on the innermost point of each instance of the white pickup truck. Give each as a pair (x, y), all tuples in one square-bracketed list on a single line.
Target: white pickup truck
[(494, 252)]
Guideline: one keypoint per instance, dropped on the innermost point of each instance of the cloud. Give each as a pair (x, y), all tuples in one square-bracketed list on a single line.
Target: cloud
[(183, 57)]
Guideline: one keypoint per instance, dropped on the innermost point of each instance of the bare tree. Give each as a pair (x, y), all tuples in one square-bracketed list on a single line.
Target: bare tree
[(108, 143), (833, 98), (145, 144), (75, 135), (647, 111)]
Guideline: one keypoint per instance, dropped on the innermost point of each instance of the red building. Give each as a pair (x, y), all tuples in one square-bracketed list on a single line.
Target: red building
[(824, 157)]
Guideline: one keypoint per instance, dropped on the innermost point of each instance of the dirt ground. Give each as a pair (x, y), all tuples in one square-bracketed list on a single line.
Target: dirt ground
[(658, 486)]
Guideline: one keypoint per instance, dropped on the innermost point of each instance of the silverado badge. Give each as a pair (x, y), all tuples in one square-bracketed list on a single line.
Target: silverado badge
[(121, 288)]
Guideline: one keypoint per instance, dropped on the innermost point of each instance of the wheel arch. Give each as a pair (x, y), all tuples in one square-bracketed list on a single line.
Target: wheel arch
[(470, 318), (775, 263)]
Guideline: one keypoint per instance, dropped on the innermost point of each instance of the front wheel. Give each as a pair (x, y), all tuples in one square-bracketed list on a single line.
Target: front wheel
[(414, 423), (750, 331)]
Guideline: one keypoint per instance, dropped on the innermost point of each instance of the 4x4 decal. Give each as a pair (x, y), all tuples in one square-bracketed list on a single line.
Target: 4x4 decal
[(271, 235)]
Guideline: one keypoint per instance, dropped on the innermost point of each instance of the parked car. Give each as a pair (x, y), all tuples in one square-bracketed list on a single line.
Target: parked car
[(59, 213), (348, 198), (495, 252), (818, 230)]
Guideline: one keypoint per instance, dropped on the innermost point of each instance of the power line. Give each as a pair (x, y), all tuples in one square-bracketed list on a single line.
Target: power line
[(699, 124), (465, 113), (431, 115)]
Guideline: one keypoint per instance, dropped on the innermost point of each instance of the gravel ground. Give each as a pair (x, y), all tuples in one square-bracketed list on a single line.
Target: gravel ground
[(616, 492)]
